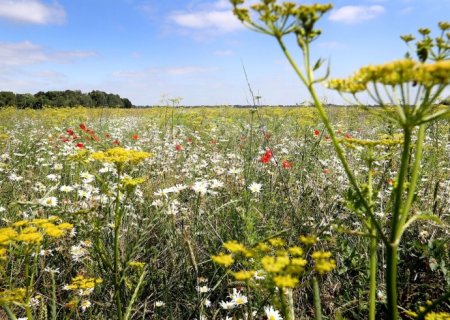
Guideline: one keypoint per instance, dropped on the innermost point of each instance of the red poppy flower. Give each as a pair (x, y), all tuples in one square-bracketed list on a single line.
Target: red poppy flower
[(64, 139), (348, 136), (116, 142), (267, 135), (70, 132), (178, 147), (189, 140), (266, 157), (107, 135), (80, 145), (316, 132), (286, 164), (83, 127), (135, 137)]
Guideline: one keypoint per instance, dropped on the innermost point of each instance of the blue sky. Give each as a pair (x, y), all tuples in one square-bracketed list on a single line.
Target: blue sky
[(143, 49)]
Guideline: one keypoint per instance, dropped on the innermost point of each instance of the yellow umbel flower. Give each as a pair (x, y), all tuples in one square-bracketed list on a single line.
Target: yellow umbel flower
[(12, 296), (308, 240), (7, 235), (323, 263), (80, 282), (120, 156), (223, 259), (286, 281), (243, 275), (274, 264)]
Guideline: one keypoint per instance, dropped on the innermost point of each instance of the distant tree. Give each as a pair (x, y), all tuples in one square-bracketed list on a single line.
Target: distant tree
[(25, 101), (114, 101), (7, 99), (99, 98), (127, 103)]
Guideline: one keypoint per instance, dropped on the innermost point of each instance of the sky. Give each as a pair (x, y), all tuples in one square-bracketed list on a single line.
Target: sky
[(151, 50)]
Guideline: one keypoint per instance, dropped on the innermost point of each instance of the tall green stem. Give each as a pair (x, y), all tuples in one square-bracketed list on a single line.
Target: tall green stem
[(317, 305), (391, 281), (117, 220), (373, 275)]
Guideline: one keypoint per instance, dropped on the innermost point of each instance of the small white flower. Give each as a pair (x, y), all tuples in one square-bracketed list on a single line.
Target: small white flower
[(272, 314), (77, 252), (66, 189), (200, 187), (49, 202), (53, 177), (159, 304), (227, 305), (238, 298), (58, 166), (85, 304), (203, 289), (255, 187)]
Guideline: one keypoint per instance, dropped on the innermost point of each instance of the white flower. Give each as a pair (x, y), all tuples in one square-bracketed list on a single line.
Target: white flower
[(58, 166), (203, 289), (85, 304), (87, 177), (2, 209), (255, 187), (49, 202), (207, 303), (159, 304), (14, 177), (200, 187), (77, 252), (66, 189), (53, 177), (227, 305), (272, 314), (238, 298)]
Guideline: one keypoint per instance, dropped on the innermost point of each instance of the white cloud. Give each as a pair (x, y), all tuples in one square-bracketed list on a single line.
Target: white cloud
[(215, 20), (356, 14), (31, 11), (27, 53), (223, 53), (170, 71)]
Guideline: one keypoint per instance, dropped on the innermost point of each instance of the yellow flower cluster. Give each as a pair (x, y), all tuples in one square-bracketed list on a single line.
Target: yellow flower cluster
[(82, 283), (323, 262), (395, 73), (12, 296), (129, 182), (120, 156), (282, 264), (31, 232)]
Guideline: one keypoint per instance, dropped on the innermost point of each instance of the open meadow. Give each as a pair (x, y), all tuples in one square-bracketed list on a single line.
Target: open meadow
[(209, 213)]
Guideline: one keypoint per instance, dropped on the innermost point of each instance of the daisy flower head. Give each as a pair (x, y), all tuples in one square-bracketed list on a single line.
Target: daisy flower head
[(272, 314)]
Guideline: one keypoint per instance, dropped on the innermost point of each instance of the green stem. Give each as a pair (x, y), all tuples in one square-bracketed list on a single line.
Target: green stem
[(53, 306), (117, 220), (8, 311), (414, 176), (391, 281), (373, 275), (398, 194), (317, 305), (135, 293)]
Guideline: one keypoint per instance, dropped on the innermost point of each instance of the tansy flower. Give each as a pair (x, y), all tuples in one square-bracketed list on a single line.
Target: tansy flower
[(223, 259)]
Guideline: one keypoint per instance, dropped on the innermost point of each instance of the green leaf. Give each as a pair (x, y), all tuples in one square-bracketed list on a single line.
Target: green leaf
[(318, 64)]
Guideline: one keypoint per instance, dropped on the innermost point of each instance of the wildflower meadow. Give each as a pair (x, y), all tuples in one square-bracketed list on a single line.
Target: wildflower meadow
[(312, 212)]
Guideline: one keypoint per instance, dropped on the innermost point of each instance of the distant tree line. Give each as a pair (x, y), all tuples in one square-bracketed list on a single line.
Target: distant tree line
[(67, 98)]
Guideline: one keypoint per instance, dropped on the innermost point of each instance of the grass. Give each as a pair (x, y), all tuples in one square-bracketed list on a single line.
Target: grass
[(196, 197)]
